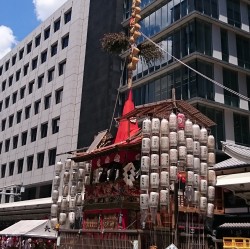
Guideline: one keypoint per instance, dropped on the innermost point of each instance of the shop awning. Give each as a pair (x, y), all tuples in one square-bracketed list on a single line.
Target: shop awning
[(30, 228)]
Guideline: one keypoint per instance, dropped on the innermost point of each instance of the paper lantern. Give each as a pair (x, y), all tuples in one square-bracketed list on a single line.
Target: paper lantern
[(164, 197), (196, 181), (87, 180), (196, 132), (144, 183), (67, 164), (79, 186), (203, 150), (196, 197), (65, 190), (203, 169), (164, 127), (190, 161), (181, 137), (210, 143), (203, 203), (182, 152), (197, 164), (62, 218), (172, 122), (210, 210), (53, 222), (155, 126), (87, 168), (173, 173), (146, 127), (64, 204), (56, 181), (173, 139), (211, 193), (211, 178), (189, 144), (55, 196), (154, 199), (188, 128), (145, 163), (203, 186), (72, 217), (211, 159), (54, 210), (164, 144), (59, 166), (82, 165), (196, 150), (154, 161), (181, 120), (190, 178), (144, 201), (164, 160), (155, 143), (154, 180), (145, 145), (72, 203), (79, 200), (173, 156), (66, 176), (81, 174), (164, 179), (203, 136), (74, 175)]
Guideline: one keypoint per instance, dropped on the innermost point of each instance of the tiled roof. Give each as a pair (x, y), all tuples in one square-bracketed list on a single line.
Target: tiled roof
[(239, 152), (235, 225), (229, 163)]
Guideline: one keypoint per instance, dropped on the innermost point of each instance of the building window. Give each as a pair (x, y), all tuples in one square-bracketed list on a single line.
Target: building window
[(40, 81), (248, 89), (7, 102), (47, 101), (51, 73), (40, 160), (3, 85), (53, 49), (1, 146), (3, 124), (241, 129), (25, 69), (1, 70), (7, 145), (67, 16), (34, 63), (61, 67), (11, 168), (18, 116), (20, 166), (11, 119), (21, 53), (15, 141), (230, 80), (30, 160), (33, 134), (38, 40), (24, 137), (65, 41), (31, 84), (59, 95), (57, 24), (243, 51), (22, 92), (224, 45), (37, 106), (46, 33), (44, 130), (233, 13), (1, 105), (3, 170), (43, 56), (7, 64), (52, 156), (13, 60), (29, 46), (14, 97), (55, 125), (27, 111), (10, 80), (18, 73)]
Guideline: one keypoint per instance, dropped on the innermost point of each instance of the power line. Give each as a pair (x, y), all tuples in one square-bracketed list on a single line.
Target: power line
[(204, 76)]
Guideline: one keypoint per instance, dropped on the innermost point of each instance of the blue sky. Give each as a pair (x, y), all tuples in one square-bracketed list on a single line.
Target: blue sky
[(18, 18)]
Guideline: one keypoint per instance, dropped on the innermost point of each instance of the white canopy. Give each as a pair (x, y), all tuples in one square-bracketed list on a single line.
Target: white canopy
[(30, 228)]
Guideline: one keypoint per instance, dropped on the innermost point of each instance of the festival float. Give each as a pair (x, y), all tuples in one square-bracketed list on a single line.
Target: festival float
[(153, 186)]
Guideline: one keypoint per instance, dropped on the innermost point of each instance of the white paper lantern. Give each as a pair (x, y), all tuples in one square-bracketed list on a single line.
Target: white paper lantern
[(181, 137), (188, 128), (62, 218), (72, 217), (155, 143), (172, 122), (182, 152), (211, 193), (144, 183), (203, 169), (173, 156), (196, 132), (190, 178), (59, 166), (210, 210), (164, 160), (203, 150), (64, 204), (210, 143), (164, 197), (66, 177), (173, 139), (145, 163), (74, 175), (87, 180), (74, 165), (79, 199), (154, 161), (55, 196), (144, 201), (189, 144), (190, 161), (197, 164), (211, 159), (53, 222), (154, 180), (196, 197), (81, 174), (155, 126), (145, 145), (65, 190), (87, 168), (196, 150), (57, 180), (203, 136), (154, 199), (196, 180), (79, 186), (203, 186), (211, 178), (72, 203), (164, 127), (203, 203), (164, 144), (146, 127), (67, 164), (181, 120), (54, 210), (173, 173), (164, 179)]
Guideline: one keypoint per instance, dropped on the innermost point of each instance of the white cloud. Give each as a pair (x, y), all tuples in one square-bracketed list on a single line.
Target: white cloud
[(44, 8), (7, 41)]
